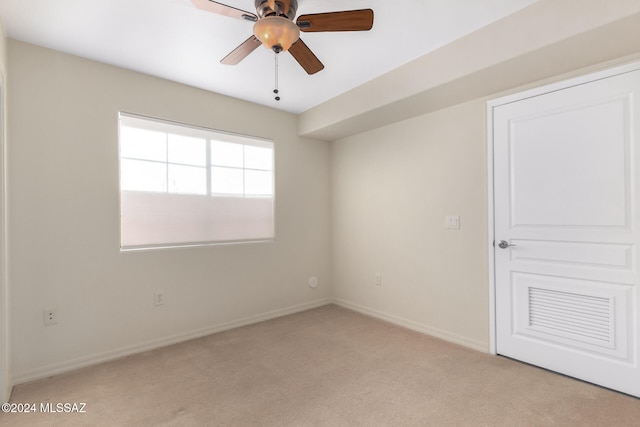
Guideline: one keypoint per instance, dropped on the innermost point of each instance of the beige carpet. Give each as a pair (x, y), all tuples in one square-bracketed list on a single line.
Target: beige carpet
[(324, 367)]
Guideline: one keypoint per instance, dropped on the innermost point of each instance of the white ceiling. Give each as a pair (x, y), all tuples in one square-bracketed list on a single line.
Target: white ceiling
[(174, 40)]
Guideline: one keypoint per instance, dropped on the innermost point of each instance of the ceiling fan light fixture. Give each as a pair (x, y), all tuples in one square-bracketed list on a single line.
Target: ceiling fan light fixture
[(276, 33)]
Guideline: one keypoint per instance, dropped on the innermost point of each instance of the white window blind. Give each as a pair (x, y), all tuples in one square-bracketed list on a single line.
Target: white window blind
[(183, 185)]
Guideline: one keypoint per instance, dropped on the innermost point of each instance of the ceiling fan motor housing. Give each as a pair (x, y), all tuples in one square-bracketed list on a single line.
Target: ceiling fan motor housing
[(284, 8)]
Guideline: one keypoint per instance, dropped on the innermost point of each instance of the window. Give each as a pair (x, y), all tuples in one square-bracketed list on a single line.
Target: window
[(183, 185)]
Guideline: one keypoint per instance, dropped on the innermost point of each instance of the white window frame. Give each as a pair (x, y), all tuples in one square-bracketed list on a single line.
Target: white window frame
[(210, 135)]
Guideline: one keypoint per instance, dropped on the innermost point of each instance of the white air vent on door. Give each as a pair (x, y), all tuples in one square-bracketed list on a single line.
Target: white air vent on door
[(583, 318)]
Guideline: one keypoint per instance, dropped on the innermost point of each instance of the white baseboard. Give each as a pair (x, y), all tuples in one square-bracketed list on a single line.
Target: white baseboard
[(71, 365), (415, 326)]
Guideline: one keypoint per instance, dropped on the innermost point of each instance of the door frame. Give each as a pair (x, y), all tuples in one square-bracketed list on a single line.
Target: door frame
[(5, 371), (492, 104)]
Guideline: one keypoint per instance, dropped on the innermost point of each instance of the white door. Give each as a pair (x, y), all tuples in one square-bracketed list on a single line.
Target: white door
[(565, 184)]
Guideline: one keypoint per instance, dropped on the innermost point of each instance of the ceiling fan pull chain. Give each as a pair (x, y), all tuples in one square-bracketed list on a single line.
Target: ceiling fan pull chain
[(276, 91)]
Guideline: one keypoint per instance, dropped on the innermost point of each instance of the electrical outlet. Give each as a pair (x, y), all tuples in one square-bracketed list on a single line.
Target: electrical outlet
[(378, 279), (158, 298), (453, 222), (50, 316), (313, 282)]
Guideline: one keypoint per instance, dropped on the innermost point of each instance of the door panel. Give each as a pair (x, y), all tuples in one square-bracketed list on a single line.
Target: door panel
[(545, 170), (564, 197), (583, 315)]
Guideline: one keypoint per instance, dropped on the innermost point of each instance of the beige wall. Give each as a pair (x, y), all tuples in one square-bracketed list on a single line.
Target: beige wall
[(392, 189), (64, 219)]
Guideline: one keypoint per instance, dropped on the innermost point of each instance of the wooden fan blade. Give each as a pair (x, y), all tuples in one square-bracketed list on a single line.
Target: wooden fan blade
[(301, 52), (242, 51), (223, 9), (350, 20)]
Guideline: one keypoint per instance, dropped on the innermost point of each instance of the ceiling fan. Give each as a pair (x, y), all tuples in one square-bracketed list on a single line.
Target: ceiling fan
[(274, 28)]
